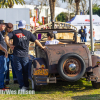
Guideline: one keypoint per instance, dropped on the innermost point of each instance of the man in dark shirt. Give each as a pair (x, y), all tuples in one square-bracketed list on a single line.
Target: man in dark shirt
[(20, 46), (82, 33), (3, 56)]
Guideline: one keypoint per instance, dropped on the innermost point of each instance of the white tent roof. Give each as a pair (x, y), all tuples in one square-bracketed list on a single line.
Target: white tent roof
[(85, 20)]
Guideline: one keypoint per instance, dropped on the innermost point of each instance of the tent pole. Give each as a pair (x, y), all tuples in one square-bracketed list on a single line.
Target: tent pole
[(91, 27)]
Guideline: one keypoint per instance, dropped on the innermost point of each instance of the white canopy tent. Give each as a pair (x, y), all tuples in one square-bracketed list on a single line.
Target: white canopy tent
[(84, 20)]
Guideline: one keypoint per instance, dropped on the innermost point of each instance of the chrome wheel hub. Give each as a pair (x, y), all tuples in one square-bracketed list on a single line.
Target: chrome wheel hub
[(72, 67)]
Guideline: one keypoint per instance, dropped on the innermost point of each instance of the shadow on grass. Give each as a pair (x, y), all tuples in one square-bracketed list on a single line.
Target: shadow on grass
[(62, 86), (87, 97)]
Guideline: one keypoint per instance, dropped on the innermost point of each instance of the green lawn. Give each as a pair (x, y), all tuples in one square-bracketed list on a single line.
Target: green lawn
[(80, 90)]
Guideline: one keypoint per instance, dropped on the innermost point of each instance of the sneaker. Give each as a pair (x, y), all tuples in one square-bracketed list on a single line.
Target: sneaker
[(6, 87), (7, 82), (24, 88), (15, 82)]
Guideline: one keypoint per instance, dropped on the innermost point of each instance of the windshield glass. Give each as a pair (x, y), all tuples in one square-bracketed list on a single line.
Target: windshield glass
[(59, 36)]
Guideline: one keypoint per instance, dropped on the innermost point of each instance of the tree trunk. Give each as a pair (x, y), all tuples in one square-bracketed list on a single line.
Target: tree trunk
[(77, 7), (54, 1), (51, 6), (52, 11)]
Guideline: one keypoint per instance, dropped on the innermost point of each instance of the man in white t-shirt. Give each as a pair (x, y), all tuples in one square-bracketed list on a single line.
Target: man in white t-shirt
[(51, 40)]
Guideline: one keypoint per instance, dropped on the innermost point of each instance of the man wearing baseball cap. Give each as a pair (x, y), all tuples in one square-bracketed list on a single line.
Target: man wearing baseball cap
[(21, 38), (3, 56)]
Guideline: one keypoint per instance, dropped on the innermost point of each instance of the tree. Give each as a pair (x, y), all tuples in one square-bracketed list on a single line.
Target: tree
[(52, 10), (77, 5), (84, 4), (96, 9), (10, 3), (62, 17), (42, 3)]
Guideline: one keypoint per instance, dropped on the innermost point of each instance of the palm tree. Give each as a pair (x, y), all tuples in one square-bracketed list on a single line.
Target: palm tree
[(77, 5), (10, 3), (52, 10)]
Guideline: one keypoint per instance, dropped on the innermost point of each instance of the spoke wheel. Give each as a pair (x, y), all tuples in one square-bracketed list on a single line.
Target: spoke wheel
[(71, 67)]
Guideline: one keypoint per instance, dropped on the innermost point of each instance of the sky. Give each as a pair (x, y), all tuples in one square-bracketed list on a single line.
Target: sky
[(62, 4)]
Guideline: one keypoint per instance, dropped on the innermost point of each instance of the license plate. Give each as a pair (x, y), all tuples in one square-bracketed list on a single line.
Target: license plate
[(41, 72)]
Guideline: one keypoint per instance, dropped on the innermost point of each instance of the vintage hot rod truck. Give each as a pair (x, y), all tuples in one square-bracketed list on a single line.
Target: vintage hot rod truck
[(69, 62)]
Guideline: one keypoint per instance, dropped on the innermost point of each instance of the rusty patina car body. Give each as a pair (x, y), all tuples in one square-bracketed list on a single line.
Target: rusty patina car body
[(69, 62)]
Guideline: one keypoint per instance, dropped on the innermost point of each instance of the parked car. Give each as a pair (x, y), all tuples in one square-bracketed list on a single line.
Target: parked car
[(69, 62)]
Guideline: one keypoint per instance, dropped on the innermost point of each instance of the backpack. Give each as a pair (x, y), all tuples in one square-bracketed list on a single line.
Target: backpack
[(82, 32)]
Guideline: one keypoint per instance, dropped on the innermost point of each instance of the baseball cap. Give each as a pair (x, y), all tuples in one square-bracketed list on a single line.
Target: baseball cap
[(9, 25), (2, 22), (22, 24)]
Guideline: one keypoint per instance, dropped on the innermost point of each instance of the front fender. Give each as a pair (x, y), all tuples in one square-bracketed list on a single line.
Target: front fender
[(39, 63), (95, 68)]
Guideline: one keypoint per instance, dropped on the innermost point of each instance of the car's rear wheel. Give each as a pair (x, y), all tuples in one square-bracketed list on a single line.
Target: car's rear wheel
[(71, 67)]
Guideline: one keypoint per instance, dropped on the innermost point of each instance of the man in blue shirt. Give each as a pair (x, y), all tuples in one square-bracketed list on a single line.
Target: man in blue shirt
[(21, 38), (3, 56), (85, 31)]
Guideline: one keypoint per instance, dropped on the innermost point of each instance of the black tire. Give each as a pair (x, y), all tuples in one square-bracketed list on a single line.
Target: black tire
[(95, 85), (36, 87), (69, 74)]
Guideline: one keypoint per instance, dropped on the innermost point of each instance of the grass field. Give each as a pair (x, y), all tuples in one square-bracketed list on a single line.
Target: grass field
[(80, 90)]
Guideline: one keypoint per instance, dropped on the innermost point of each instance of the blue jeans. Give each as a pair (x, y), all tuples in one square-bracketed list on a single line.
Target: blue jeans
[(3, 69), (21, 69), (10, 58), (94, 39), (83, 39)]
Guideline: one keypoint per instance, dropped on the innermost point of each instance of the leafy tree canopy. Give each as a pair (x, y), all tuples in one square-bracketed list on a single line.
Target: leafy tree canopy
[(10, 3), (96, 10), (62, 17)]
